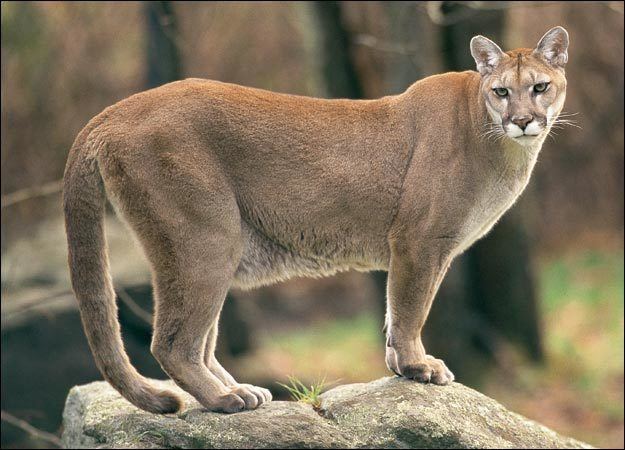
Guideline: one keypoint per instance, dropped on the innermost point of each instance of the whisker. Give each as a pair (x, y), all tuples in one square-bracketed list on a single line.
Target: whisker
[(500, 137), (567, 114), (552, 134), (492, 132), (561, 122), (569, 123)]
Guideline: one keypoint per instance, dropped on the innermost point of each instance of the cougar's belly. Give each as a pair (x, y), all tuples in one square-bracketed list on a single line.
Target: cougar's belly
[(267, 261)]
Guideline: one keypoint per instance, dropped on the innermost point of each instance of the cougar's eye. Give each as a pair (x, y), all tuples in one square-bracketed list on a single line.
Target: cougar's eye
[(540, 87), (501, 92)]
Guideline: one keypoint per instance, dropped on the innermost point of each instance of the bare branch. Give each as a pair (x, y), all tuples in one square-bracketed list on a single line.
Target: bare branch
[(36, 191), (32, 431), (616, 7), (38, 300), (437, 16), (134, 307), (373, 42)]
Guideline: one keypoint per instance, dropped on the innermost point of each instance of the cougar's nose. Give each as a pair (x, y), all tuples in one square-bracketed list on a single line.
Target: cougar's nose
[(522, 121)]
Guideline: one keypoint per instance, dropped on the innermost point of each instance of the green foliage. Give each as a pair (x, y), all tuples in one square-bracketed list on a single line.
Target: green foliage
[(347, 348), (579, 389), (583, 301), (591, 277), (301, 393)]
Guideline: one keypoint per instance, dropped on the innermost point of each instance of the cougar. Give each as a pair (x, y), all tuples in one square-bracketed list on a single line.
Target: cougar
[(229, 186)]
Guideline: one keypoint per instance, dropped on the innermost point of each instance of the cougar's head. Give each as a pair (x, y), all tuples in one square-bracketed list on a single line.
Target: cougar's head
[(524, 89)]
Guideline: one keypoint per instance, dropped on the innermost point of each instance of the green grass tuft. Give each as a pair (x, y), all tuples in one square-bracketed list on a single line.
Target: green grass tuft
[(301, 393)]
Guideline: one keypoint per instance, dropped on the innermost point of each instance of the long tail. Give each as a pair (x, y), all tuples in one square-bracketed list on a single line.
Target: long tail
[(83, 202)]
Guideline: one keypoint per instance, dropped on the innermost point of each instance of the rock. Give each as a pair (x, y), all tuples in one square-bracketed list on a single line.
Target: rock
[(38, 335), (387, 413)]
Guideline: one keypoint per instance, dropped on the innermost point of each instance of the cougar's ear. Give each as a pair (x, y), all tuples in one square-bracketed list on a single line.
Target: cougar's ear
[(486, 53), (553, 46)]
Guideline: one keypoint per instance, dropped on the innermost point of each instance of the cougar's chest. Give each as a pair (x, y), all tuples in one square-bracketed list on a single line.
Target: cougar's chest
[(498, 192)]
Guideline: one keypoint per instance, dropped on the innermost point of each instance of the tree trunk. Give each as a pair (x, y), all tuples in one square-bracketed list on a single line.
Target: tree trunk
[(329, 44), (163, 59)]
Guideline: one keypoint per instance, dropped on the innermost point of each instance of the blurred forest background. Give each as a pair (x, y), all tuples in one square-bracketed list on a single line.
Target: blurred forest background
[(532, 315)]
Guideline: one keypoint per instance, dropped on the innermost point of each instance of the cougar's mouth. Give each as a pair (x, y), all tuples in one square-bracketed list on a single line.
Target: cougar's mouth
[(532, 131)]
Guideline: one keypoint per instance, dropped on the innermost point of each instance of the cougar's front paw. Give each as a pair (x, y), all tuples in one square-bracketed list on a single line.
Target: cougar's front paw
[(252, 396), (240, 398), (262, 395), (430, 370)]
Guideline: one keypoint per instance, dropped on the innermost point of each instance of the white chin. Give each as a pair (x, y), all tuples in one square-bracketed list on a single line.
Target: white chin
[(524, 139)]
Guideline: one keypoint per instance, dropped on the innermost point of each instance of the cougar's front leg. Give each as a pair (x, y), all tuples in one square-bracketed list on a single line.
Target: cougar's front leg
[(262, 395), (415, 273)]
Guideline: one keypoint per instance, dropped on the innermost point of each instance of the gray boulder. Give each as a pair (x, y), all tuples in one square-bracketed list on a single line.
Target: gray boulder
[(387, 413)]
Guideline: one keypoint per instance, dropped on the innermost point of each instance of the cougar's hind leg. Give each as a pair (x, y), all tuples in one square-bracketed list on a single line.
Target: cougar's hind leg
[(188, 302), (190, 287), (262, 395), (186, 217)]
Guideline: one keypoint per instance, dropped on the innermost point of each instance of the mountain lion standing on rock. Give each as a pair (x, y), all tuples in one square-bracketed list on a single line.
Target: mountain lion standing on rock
[(228, 186)]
